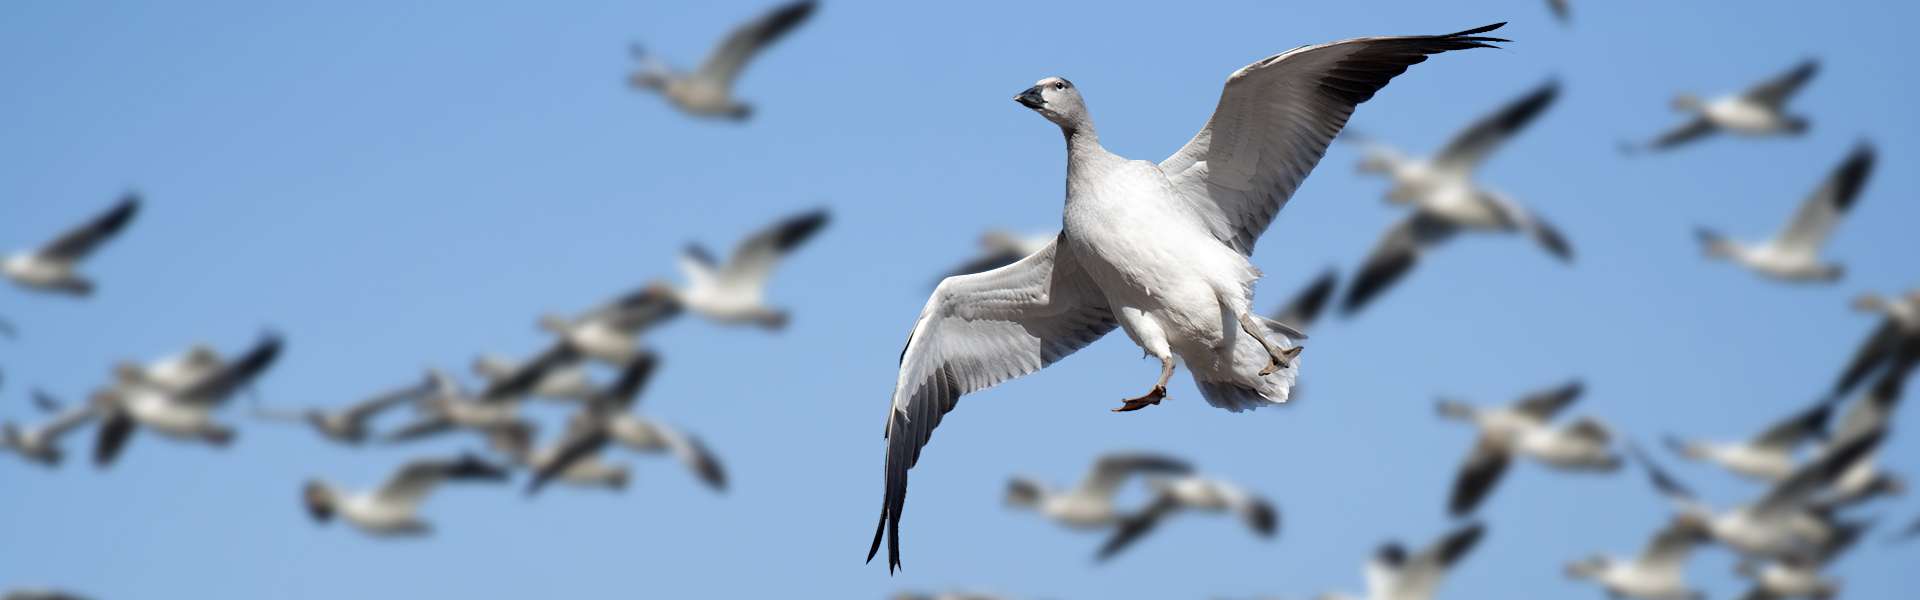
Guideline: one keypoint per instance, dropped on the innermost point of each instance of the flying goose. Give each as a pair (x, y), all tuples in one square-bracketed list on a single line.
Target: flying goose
[(1089, 505), (1895, 341), (564, 382), (1525, 429), (593, 426), (999, 248), (1794, 253), (1160, 250), (1799, 576), (348, 424), (392, 509), (1658, 573), (708, 91), (41, 444), (175, 405), (1393, 574), (1784, 522), (1303, 309), (516, 443), (1872, 412), (1447, 201), (447, 406), (50, 268), (1193, 494), (609, 333), (1768, 456), (735, 292), (1758, 111)]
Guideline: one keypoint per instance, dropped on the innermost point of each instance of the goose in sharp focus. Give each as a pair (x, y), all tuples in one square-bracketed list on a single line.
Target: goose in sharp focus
[(1089, 505), (157, 400), (41, 444), (1758, 111), (1794, 253), (1000, 248), (1658, 573), (1158, 250), (1447, 201), (348, 424), (708, 91), (516, 443), (1800, 576), (1394, 574), (735, 293), (609, 333), (1192, 493), (1524, 429), (568, 383), (1872, 412), (1786, 521), (51, 268), (1768, 456), (1895, 342), (393, 508)]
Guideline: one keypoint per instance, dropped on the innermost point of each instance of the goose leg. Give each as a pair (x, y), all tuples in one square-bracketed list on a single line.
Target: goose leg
[(1278, 358), (1153, 396)]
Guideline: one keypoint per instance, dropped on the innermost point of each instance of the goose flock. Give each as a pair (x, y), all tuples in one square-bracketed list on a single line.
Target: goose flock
[(1160, 250)]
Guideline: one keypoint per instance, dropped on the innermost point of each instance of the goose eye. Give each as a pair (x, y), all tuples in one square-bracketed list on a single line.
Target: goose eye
[(1059, 86)]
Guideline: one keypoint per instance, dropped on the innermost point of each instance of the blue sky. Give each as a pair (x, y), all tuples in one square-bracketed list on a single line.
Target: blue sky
[(402, 186)]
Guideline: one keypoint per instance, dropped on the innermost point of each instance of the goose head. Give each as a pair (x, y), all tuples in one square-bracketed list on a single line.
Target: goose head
[(1024, 492), (1056, 99), (320, 500)]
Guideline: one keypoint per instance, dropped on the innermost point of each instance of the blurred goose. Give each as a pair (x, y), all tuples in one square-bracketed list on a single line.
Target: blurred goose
[(1658, 573), (1794, 253), (642, 434), (447, 406), (158, 400), (708, 91), (1303, 309), (1800, 576), (1446, 200), (516, 443), (40, 594), (41, 444), (735, 292), (392, 509), (609, 333), (1524, 429), (588, 431), (50, 268), (1758, 111), (1768, 456), (1786, 521), (1193, 494), (348, 424), (1562, 10), (1393, 574), (1090, 504), (1000, 248), (1160, 250), (566, 382), (1873, 412), (1896, 340)]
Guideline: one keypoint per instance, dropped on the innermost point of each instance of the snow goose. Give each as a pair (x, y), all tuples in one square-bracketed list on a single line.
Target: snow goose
[(1524, 429), (1001, 248), (708, 91), (1799, 576), (1089, 505), (1159, 250), (516, 443), (448, 406), (1766, 457), (608, 333), (593, 427), (1872, 412), (1786, 521), (1794, 254), (41, 444), (393, 508), (1394, 574), (1658, 573), (1895, 341), (1758, 111), (567, 382), (348, 424), (1193, 494), (735, 293), (1446, 200), (50, 268), (170, 408)]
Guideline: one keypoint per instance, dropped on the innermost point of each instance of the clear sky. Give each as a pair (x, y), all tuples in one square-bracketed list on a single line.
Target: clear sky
[(398, 186)]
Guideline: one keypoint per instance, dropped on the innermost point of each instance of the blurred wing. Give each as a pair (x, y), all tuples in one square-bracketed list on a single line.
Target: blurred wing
[(1471, 147), (748, 39), (1874, 411), (690, 451), (365, 409), (1477, 476), (217, 386), (1275, 119), (1797, 491), (1882, 344), (580, 444), (1114, 469), (1663, 482), (77, 243), (525, 376), (1543, 405), (1775, 92), (1304, 308), (1820, 212), (754, 259), (976, 331), (641, 310), (1692, 130), (414, 481), (1423, 572), (115, 429), (1393, 257), (1667, 552), (1800, 427), (1136, 526)]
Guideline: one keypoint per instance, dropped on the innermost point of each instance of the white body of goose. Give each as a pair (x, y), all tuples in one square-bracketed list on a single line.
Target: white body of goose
[(1758, 111), (1783, 522), (1658, 573), (393, 508), (1395, 574), (1175, 495), (735, 293), (708, 91), (1525, 429), (609, 333), (1767, 457), (52, 268), (1089, 505), (1794, 254), (178, 404)]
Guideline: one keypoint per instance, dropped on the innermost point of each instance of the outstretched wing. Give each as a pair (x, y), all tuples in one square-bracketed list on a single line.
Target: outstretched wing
[(1275, 119), (1477, 477), (1820, 212), (1114, 469), (217, 386), (1544, 404), (80, 241), (1775, 92), (1470, 148), (1393, 257), (976, 331), (748, 39), (753, 260), (413, 482)]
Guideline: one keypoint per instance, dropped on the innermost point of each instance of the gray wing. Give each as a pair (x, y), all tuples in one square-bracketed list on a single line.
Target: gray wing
[(1797, 491), (1875, 410), (753, 260), (1545, 404), (1304, 308), (1775, 92), (727, 61), (1114, 469), (1393, 257), (80, 241), (367, 408), (1667, 552), (977, 331), (1692, 130), (1797, 428), (1883, 343), (1663, 482), (1471, 147), (1422, 574), (1275, 119), (1821, 212), (217, 386), (412, 483), (989, 261), (1477, 477), (1136, 526)]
